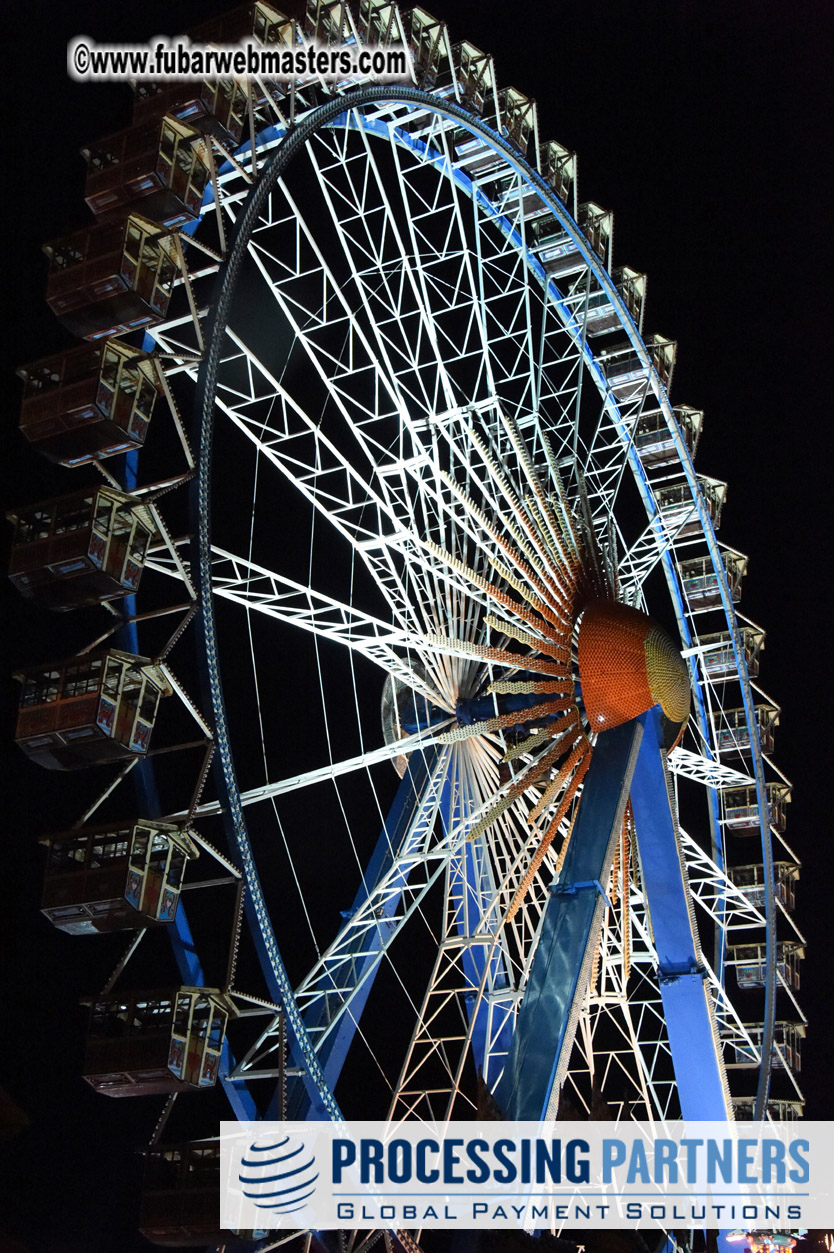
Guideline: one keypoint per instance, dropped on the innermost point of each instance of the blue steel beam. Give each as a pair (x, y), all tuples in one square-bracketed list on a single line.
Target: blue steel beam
[(544, 1034), (693, 1036), (628, 759), (492, 1025), (392, 842), (471, 889)]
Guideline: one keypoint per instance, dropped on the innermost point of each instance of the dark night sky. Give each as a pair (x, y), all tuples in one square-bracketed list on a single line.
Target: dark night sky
[(702, 125)]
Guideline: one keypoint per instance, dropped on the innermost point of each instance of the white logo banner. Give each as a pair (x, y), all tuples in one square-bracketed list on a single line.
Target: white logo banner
[(492, 1175)]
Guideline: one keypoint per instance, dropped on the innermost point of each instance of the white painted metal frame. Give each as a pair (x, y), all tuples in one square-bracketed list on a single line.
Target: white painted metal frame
[(440, 319)]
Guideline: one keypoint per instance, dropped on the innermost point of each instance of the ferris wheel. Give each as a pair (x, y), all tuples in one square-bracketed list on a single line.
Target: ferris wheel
[(487, 744)]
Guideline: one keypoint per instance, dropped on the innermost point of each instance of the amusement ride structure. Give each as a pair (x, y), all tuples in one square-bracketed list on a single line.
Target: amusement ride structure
[(474, 714)]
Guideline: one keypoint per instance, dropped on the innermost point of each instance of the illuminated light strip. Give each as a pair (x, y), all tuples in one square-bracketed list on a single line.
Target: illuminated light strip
[(532, 619), (517, 505), (532, 741), (555, 786), (558, 651), (478, 580), (505, 720), (567, 528), (565, 564), (556, 530), (550, 835), (551, 613), (533, 773), (538, 573), (508, 687), (465, 648)]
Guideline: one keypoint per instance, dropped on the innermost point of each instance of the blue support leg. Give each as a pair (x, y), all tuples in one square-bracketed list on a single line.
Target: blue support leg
[(628, 758), (693, 1035), (529, 1088)]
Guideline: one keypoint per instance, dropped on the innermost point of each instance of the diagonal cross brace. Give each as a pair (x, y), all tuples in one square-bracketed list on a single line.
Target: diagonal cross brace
[(544, 1034), (627, 760)]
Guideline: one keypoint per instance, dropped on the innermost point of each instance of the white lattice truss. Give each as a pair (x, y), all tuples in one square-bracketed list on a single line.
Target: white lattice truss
[(421, 323)]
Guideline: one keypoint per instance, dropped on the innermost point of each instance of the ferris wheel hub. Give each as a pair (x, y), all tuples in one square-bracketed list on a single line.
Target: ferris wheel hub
[(627, 664)]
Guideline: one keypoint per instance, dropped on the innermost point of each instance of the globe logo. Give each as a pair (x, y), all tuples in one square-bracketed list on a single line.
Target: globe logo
[(278, 1175)]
